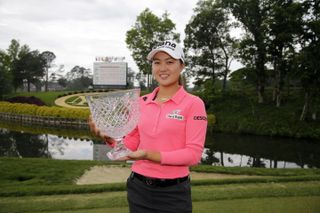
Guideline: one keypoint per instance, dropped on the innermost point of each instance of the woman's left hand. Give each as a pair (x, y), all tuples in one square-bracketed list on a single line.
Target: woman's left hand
[(137, 155), (144, 155)]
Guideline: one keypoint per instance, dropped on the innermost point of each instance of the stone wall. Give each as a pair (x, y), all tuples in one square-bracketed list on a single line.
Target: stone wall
[(47, 121)]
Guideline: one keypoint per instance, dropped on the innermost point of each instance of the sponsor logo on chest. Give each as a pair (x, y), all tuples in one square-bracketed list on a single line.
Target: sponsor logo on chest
[(175, 114)]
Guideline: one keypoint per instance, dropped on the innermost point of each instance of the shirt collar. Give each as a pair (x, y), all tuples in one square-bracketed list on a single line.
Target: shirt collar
[(177, 97)]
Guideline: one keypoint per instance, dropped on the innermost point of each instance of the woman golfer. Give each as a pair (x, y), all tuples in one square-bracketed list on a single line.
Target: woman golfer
[(168, 139)]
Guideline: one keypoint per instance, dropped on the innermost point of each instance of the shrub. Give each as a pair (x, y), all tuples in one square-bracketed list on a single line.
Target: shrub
[(44, 111), (27, 100)]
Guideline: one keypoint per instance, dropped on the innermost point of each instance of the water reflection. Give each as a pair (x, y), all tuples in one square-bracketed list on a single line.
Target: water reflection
[(231, 160), (261, 151), (22, 145), (69, 149), (221, 149)]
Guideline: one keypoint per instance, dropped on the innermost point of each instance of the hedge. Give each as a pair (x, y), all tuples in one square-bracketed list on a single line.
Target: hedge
[(58, 112), (44, 111)]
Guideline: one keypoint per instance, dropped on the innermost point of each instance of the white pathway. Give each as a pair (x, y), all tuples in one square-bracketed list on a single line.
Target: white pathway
[(62, 101)]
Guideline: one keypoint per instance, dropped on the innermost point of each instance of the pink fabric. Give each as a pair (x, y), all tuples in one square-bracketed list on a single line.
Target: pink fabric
[(176, 129)]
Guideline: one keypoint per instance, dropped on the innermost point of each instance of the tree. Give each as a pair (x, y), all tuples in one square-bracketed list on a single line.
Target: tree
[(252, 15), (14, 53), (141, 80), (242, 79), (62, 82), (77, 72), (48, 57), (56, 74), (308, 63), (19, 65), (285, 22), (208, 42), (145, 34), (30, 68), (130, 78), (15, 50), (5, 75), (79, 78)]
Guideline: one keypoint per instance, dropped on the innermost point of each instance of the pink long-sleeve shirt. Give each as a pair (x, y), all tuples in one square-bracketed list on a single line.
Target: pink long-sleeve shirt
[(175, 128)]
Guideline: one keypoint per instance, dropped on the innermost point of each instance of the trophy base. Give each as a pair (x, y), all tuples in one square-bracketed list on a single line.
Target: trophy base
[(118, 152), (112, 155)]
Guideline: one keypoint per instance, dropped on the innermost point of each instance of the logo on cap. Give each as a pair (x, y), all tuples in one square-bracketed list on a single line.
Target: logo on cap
[(166, 44)]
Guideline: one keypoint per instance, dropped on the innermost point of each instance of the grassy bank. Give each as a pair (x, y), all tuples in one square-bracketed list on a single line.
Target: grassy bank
[(42, 185), (238, 113)]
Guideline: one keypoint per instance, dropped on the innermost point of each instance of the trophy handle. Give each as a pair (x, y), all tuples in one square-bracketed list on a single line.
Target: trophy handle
[(119, 151)]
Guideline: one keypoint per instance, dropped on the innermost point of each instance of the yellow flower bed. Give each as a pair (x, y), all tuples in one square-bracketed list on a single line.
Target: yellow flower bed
[(43, 111)]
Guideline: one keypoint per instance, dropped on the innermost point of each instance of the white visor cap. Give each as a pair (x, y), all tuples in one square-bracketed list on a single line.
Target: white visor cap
[(170, 47)]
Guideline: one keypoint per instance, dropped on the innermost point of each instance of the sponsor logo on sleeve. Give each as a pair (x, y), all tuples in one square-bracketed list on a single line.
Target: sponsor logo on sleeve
[(199, 118)]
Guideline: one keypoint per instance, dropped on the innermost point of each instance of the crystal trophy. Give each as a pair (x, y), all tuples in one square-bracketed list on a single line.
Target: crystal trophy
[(115, 114)]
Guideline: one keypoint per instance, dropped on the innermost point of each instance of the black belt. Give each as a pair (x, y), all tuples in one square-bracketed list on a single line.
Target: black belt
[(158, 182)]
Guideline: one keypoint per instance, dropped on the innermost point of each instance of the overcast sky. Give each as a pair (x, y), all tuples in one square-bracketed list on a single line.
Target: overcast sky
[(77, 31)]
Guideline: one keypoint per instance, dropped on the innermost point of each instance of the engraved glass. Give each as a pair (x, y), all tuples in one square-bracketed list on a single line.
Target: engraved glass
[(115, 114)]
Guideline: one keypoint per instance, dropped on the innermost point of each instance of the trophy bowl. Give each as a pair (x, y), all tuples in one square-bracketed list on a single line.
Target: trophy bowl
[(115, 114)]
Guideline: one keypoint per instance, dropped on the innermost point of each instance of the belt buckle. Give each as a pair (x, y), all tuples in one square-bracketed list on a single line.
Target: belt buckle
[(149, 182)]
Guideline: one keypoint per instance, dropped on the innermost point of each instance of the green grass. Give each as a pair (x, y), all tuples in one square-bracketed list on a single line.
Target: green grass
[(44, 185), (35, 171), (229, 197), (264, 205), (47, 97), (32, 176), (72, 99), (75, 101), (256, 171), (255, 190), (261, 205)]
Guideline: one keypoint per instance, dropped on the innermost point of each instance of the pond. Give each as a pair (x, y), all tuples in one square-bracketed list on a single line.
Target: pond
[(221, 149)]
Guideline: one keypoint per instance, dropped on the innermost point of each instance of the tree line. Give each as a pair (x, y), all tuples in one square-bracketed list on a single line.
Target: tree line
[(277, 44), (276, 41), (22, 67)]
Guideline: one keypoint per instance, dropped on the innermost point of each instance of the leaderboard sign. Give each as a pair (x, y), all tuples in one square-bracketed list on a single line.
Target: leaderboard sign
[(110, 72)]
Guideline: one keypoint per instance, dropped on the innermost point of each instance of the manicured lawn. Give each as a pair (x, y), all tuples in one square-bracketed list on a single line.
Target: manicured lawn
[(261, 205), (44, 185), (116, 202)]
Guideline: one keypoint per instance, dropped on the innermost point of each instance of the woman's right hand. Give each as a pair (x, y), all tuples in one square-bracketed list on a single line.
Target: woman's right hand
[(96, 131)]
